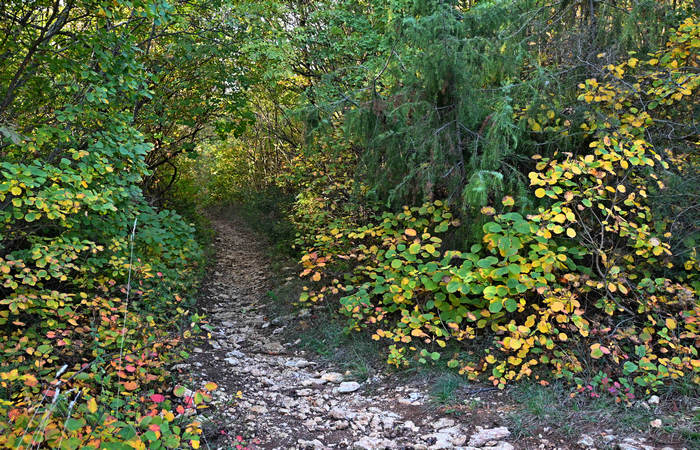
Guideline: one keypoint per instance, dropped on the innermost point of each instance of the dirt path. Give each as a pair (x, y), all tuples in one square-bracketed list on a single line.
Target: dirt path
[(291, 402)]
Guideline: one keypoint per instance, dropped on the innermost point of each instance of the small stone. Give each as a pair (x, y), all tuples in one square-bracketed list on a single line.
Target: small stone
[(656, 423), (299, 363), (341, 425), (489, 434), (410, 426), (338, 414), (348, 386), (273, 348), (371, 443), (586, 441), (259, 409), (609, 438), (235, 354), (459, 440), (313, 382), (443, 423), (623, 446), (315, 444), (304, 392), (441, 441), (388, 422), (654, 400), (499, 446)]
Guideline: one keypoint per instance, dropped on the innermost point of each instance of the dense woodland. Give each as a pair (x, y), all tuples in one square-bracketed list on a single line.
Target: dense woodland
[(507, 189)]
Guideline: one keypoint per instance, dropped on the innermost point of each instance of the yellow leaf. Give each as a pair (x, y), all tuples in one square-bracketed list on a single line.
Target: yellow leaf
[(539, 193), (670, 324), (410, 232), (136, 443), (417, 332), (570, 232), (211, 386), (316, 276), (15, 190), (559, 218), (556, 306), (92, 405)]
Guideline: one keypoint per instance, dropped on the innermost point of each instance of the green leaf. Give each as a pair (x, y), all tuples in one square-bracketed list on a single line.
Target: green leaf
[(43, 349), (453, 286), (496, 306), (511, 305), (629, 367), (74, 424)]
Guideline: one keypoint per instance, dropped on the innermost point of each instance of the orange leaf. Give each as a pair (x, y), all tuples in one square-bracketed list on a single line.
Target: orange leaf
[(30, 380)]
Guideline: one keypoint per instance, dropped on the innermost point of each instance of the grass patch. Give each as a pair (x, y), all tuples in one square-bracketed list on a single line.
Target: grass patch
[(445, 390), (551, 406), (323, 335), (320, 330)]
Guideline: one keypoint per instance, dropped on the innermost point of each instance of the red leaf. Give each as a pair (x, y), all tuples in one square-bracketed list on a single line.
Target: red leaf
[(157, 398)]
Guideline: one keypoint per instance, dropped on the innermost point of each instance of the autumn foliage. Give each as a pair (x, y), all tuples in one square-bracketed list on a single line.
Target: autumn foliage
[(585, 283)]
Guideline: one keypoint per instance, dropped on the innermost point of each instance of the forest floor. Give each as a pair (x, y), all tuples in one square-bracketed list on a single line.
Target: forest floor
[(293, 380)]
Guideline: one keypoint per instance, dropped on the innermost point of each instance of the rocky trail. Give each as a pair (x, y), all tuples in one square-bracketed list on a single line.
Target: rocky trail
[(272, 395)]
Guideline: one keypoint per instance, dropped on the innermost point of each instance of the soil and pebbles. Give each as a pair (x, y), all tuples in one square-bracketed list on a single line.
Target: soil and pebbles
[(275, 396)]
